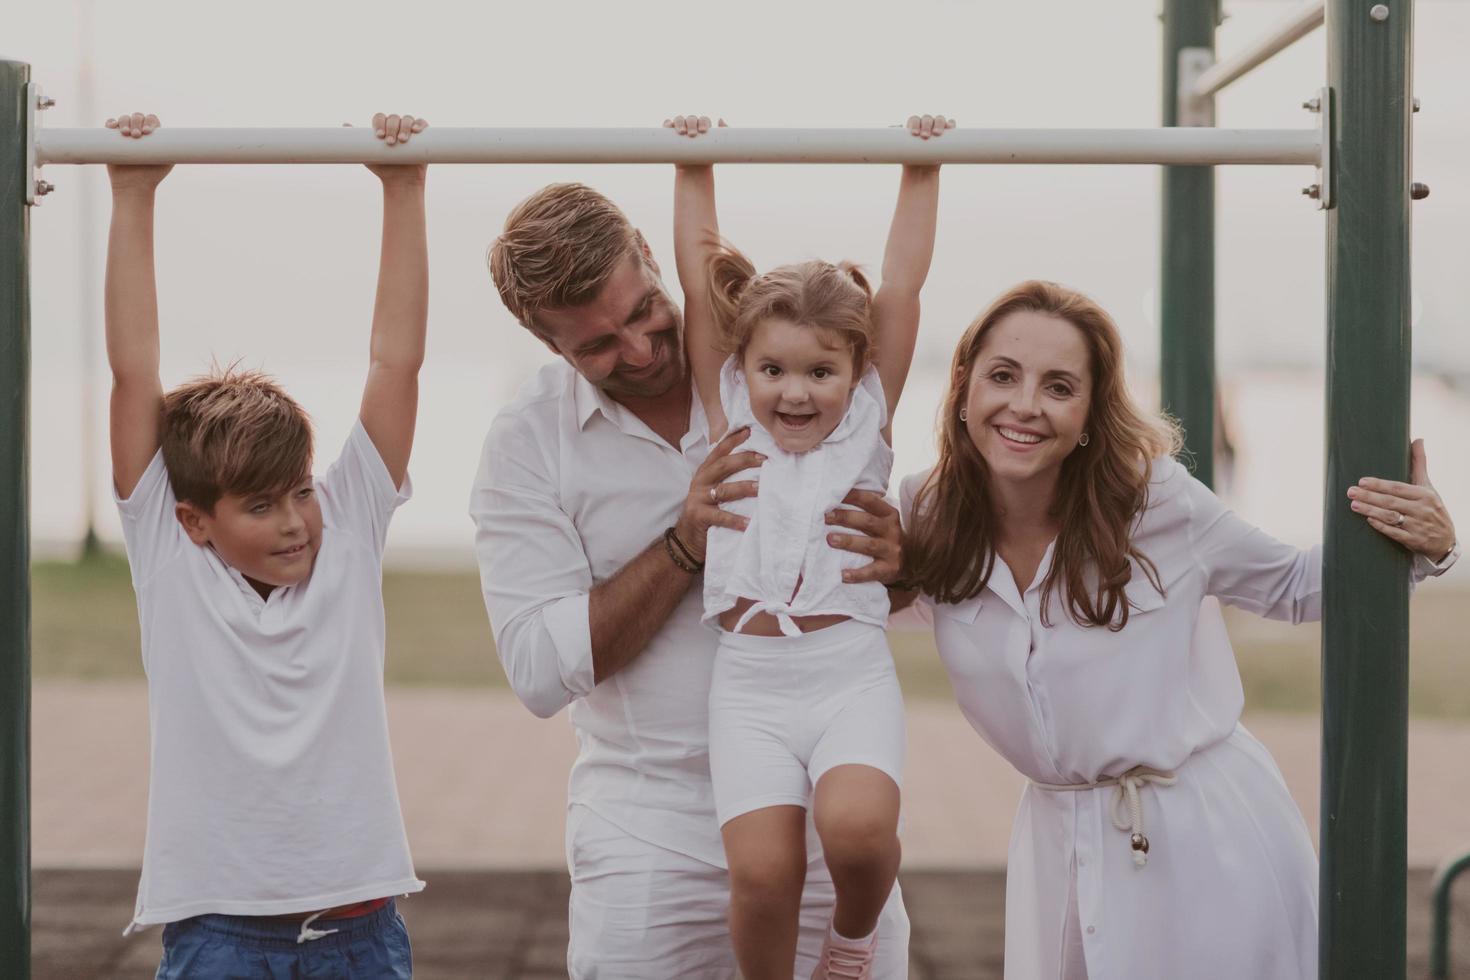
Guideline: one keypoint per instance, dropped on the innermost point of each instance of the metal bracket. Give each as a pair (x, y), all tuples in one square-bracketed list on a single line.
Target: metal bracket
[(1326, 173), (1190, 109), (1321, 191), (36, 102), (32, 94)]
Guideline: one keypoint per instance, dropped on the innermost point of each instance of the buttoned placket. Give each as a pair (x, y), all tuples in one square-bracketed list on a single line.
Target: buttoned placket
[(799, 526), (629, 424), (1086, 816)]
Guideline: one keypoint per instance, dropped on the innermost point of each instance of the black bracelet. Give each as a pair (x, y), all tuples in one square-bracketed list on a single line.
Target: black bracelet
[(685, 550), (679, 553)]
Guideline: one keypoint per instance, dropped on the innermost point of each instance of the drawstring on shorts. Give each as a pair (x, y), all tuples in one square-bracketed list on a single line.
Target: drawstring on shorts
[(308, 933)]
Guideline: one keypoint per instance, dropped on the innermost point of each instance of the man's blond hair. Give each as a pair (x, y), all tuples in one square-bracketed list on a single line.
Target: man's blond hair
[(558, 249), (233, 431)]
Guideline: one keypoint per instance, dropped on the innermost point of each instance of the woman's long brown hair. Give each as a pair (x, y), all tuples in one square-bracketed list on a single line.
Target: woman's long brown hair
[(1103, 487)]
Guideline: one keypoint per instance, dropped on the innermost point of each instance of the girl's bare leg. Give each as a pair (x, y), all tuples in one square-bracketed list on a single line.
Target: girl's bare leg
[(856, 813), (766, 850)]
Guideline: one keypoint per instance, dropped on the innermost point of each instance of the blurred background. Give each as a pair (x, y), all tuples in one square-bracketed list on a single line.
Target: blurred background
[(275, 266)]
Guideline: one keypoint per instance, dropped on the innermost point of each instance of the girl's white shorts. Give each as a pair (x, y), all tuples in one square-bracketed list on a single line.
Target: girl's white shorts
[(783, 710)]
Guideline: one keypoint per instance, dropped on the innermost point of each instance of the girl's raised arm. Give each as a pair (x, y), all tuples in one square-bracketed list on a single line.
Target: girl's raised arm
[(906, 264), (696, 238)]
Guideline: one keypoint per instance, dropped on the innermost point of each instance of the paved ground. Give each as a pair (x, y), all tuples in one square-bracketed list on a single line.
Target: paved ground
[(512, 926), (483, 786), (483, 782)]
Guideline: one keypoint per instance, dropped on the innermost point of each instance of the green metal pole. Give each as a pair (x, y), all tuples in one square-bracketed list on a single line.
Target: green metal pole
[(15, 576), (1365, 634), (1187, 272)]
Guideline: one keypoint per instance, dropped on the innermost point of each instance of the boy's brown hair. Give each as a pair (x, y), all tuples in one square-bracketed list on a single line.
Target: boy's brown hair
[(558, 249), (233, 431)]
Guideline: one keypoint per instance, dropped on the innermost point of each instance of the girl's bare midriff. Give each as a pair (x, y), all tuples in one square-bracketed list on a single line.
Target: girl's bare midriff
[(764, 624)]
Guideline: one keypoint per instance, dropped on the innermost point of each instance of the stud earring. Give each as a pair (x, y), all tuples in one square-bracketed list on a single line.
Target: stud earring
[(964, 415), (1084, 440)]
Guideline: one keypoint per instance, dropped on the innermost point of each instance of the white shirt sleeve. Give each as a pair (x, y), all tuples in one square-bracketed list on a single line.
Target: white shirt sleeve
[(1425, 567), (534, 573), (357, 493), (1246, 567), (1243, 565), (151, 530)]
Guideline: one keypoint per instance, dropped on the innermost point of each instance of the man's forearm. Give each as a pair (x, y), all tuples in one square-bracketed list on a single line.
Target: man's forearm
[(626, 610)]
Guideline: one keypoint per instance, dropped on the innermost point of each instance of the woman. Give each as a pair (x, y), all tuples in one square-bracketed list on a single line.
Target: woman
[(1067, 558)]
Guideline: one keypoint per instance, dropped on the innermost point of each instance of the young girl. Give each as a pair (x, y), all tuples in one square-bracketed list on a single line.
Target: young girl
[(805, 709)]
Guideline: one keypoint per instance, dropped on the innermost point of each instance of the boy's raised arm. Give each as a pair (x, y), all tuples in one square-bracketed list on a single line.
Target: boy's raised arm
[(906, 261), (696, 231), (401, 312), (130, 307)]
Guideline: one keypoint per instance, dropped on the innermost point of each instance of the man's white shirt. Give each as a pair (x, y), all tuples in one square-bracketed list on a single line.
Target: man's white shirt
[(571, 487)]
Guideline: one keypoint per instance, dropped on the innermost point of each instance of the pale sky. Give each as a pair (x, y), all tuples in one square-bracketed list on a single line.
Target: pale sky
[(276, 265)]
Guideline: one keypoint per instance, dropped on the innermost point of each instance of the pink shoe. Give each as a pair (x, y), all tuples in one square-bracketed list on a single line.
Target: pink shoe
[(848, 961)]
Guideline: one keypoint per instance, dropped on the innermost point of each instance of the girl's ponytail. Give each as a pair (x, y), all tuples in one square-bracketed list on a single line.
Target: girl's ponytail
[(855, 273), (729, 274)]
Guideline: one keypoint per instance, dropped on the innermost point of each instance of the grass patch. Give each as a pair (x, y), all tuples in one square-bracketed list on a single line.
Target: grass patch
[(85, 625)]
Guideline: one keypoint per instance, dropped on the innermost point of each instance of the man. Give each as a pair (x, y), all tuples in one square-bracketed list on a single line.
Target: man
[(595, 491)]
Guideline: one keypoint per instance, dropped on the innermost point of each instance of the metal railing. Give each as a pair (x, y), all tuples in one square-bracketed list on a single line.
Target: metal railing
[(1439, 943), (1302, 22), (594, 146)]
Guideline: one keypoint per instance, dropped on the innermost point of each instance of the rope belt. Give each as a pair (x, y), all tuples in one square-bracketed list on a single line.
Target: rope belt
[(1126, 796)]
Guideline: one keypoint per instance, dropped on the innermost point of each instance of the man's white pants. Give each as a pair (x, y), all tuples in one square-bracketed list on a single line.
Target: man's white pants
[(641, 912)]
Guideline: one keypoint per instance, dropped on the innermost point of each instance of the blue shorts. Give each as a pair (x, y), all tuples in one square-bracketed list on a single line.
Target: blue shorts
[(235, 947)]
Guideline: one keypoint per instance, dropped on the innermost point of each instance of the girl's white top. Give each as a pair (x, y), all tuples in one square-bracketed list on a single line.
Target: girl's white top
[(271, 780), (1230, 885), (782, 560)]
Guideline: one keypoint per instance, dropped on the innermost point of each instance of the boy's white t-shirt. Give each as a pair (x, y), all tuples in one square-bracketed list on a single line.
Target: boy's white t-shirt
[(272, 787)]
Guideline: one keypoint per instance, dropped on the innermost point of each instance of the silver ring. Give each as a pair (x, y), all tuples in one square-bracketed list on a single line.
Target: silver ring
[(1401, 518), (714, 494)]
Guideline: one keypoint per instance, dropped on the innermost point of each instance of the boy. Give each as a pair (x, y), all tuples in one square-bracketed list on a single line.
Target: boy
[(275, 841)]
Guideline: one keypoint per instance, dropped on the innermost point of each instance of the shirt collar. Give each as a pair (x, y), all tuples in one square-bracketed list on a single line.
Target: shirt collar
[(253, 598), (588, 399), (698, 421)]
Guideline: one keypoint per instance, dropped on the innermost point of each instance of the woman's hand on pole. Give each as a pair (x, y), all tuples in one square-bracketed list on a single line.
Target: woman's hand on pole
[(136, 177), (1413, 514), (709, 489), (880, 536)]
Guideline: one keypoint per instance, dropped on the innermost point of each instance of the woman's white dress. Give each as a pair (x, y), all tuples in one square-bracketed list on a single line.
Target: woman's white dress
[(1229, 889)]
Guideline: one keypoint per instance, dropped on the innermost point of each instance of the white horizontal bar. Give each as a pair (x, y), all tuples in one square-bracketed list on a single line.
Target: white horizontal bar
[(1303, 21), (889, 145)]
